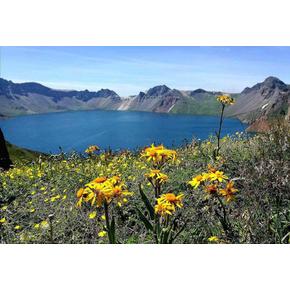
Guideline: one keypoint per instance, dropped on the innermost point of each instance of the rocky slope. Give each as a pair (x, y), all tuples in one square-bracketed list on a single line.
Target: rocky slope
[(258, 104), (166, 100), (30, 98)]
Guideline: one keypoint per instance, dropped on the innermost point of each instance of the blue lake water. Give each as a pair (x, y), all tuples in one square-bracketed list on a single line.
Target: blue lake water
[(114, 129)]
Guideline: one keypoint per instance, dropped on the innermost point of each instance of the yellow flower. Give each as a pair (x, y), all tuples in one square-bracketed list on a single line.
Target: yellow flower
[(32, 210), (103, 190), (103, 217), (226, 100), (214, 239), (164, 208), (156, 175), (3, 220), (54, 198), (18, 227), (166, 203), (92, 149), (44, 224), (100, 179), (4, 207), (102, 234), (218, 175), (229, 191), (92, 215), (158, 154), (171, 198), (36, 226), (197, 180)]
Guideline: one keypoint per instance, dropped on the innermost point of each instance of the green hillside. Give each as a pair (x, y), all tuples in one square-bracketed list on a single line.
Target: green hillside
[(201, 104), (20, 155)]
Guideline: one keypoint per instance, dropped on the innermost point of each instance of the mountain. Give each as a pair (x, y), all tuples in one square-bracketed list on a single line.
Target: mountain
[(29, 98), (163, 99), (255, 105), (258, 104), (157, 99)]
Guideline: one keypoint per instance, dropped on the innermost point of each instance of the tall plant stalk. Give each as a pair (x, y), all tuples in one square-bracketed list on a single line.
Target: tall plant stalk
[(216, 152), (110, 226)]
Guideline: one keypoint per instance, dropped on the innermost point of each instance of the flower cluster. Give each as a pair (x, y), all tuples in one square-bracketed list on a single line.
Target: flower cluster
[(226, 100), (167, 203), (159, 155), (213, 183), (103, 189), (155, 176), (92, 149)]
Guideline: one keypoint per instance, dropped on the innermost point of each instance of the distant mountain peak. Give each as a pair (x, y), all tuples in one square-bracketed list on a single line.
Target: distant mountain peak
[(158, 90), (198, 91), (272, 79), (270, 82), (274, 82)]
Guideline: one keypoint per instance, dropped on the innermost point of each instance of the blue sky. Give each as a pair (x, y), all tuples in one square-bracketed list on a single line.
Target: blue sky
[(128, 70)]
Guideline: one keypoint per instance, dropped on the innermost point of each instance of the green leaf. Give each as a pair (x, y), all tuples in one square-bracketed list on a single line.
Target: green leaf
[(146, 222), (147, 203)]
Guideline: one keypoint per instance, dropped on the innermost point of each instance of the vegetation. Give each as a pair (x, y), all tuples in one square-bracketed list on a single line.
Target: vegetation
[(239, 193), (20, 155)]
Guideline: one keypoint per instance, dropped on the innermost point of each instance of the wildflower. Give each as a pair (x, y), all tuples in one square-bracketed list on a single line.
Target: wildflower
[(163, 209), (102, 234), (211, 168), (99, 179), (156, 175), (44, 224), (159, 154), (105, 190), (92, 149), (218, 175), (4, 207), (17, 227), (54, 198), (3, 220), (103, 217), (214, 239), (92, 215), (211, 189), (229, 191), (36, 226), (32, 210), (171, 198), (226, 100), (197, 180)]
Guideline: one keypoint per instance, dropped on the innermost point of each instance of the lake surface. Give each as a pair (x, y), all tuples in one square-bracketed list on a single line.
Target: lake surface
[(114, 129)]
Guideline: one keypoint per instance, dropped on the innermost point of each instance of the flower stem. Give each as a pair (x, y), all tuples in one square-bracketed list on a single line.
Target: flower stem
[(110, 234), (219, 132)]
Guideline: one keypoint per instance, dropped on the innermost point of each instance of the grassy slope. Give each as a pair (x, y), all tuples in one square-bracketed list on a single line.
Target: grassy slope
[(208, 106), (204, 104), (18, 154)]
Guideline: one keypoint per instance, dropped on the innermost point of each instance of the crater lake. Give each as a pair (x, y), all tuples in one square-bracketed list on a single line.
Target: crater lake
[(75, 131)]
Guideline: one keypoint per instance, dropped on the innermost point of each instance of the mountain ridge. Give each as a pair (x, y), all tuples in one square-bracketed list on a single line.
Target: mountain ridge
[(253, 105)]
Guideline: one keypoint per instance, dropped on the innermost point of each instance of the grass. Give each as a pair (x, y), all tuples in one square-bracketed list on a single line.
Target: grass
[(20, 155), (38, 197)]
